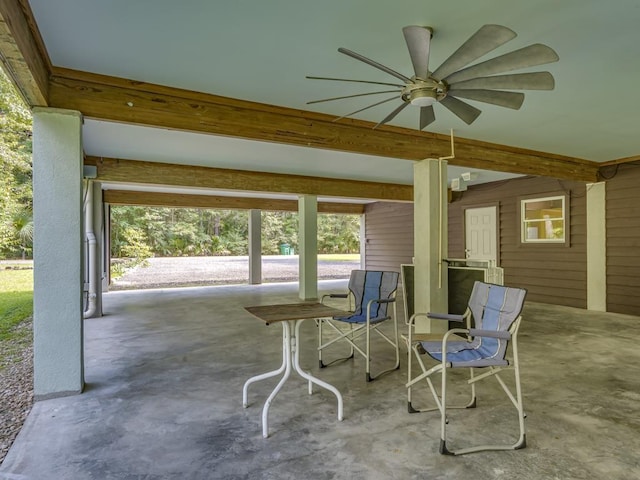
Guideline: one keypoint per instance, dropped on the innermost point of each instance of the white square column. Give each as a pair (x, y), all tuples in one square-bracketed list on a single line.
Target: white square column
[(255, 247), (430, 242), (596, 247), (100, 232), (308, 247), (58, 253)]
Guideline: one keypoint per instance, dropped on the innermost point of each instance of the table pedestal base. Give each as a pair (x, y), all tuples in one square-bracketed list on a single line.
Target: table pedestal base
[(290, 358)]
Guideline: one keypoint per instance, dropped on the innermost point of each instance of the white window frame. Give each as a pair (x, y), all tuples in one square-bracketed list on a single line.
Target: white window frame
[(524, 223)]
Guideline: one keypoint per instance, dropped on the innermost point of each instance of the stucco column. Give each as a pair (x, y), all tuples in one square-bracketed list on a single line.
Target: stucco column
[(308, 247), (57, 247), (255, 247), (430, 241), (596, 247)]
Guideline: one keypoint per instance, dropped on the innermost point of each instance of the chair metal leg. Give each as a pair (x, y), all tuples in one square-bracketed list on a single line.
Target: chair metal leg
[(394, 342), (348, 336), (516, 400), (351, 336)]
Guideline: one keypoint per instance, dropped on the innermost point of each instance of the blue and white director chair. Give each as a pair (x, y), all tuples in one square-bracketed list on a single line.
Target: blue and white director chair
[(373, 294), (496, 314)]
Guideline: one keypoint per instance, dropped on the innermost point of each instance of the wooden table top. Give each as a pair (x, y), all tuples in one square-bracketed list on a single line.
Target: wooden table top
[(293, 311)]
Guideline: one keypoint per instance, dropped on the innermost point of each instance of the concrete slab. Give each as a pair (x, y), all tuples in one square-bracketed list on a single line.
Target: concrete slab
[(165, 369)]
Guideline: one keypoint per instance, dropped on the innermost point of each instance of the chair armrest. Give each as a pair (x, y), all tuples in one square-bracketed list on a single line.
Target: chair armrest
[(379, 300), (476, 332), (334, 295), (446, 316), (382, 300)]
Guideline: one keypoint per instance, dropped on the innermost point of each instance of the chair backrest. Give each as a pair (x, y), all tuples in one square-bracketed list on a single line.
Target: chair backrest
[(366, 285), (408, 286), (495, 307)]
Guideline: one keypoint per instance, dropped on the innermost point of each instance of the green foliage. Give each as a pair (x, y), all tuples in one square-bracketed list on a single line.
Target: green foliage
[(278, 228), (338, 233), (134, 247), (15, 173), (193, 232)]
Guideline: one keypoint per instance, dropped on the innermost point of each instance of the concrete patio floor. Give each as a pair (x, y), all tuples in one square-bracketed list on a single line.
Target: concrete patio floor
[(165, 370)]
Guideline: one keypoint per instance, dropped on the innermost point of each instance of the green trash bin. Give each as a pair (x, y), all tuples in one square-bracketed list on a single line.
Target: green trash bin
[(285, 249)]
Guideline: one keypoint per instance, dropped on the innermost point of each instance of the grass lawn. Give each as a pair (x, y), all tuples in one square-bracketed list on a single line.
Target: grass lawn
[(16, 306)]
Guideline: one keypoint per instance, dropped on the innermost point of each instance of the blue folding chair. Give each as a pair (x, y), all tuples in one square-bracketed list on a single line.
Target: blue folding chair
[(372, 293), (495, 311)]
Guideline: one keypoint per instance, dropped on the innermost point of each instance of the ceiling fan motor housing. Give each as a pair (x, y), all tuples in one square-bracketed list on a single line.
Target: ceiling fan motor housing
[(423, 93)]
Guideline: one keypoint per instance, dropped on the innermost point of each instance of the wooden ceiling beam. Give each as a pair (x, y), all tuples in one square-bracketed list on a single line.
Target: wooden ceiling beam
[(121, 100), (167, 174), (182, 200), (22, 52)]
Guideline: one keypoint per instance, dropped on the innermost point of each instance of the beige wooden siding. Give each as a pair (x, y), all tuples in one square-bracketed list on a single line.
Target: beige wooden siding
[(388, 235), (551, 273), (623, 240)]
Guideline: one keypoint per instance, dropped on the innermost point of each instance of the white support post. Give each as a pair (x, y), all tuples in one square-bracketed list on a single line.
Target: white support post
[(58, 270), (99, 232), (430, 241), (308, 246), (363, 242), (596, 247), (255, 247)]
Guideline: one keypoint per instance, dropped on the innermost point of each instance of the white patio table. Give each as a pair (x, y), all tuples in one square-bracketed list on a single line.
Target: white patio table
[(291, 317)]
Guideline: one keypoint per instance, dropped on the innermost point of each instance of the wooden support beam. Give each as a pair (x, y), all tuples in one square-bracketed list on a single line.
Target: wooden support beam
[(121, 100), (182, 200), (167, 174), (619, 161), (22, 52), (609, 169)]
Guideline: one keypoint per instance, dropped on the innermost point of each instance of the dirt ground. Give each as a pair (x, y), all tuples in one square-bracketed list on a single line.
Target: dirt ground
[(197, 271)]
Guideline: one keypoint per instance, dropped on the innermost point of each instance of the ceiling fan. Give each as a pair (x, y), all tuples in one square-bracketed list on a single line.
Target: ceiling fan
[(454, 79)]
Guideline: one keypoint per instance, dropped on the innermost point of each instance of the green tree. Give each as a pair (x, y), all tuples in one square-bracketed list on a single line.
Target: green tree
[(188, 231), (278, 228), (338, 233), (16, 192)]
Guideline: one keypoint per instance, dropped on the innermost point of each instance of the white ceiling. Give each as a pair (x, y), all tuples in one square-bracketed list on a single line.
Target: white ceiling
[(262, 50)]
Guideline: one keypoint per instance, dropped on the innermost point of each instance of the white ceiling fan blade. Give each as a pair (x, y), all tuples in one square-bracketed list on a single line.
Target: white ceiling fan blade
[(463, 110), (486, 39), (530, 56), (392, 115), (495, 97), (516, 81), (375, 64), (355, 81), (352, 96), (427, 116), (418, 42), (366, 108)]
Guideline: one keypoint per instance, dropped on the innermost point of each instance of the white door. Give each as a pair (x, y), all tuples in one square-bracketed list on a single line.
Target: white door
[(481, 233)]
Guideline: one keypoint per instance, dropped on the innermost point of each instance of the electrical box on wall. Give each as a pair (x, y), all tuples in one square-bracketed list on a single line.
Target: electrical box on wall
[(458, 185)]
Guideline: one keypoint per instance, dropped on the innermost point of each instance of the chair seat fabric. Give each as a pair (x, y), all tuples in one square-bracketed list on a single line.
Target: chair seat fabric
[(362, 318), (465, 354)]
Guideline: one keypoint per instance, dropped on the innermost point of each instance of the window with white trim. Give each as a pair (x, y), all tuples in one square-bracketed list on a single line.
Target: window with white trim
[(543, 220)]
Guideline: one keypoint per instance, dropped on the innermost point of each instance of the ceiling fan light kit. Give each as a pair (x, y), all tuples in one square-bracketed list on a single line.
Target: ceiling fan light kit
[(457, 78)]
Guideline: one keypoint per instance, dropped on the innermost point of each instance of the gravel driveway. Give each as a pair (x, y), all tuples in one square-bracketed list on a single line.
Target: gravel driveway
[(196, 271)]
